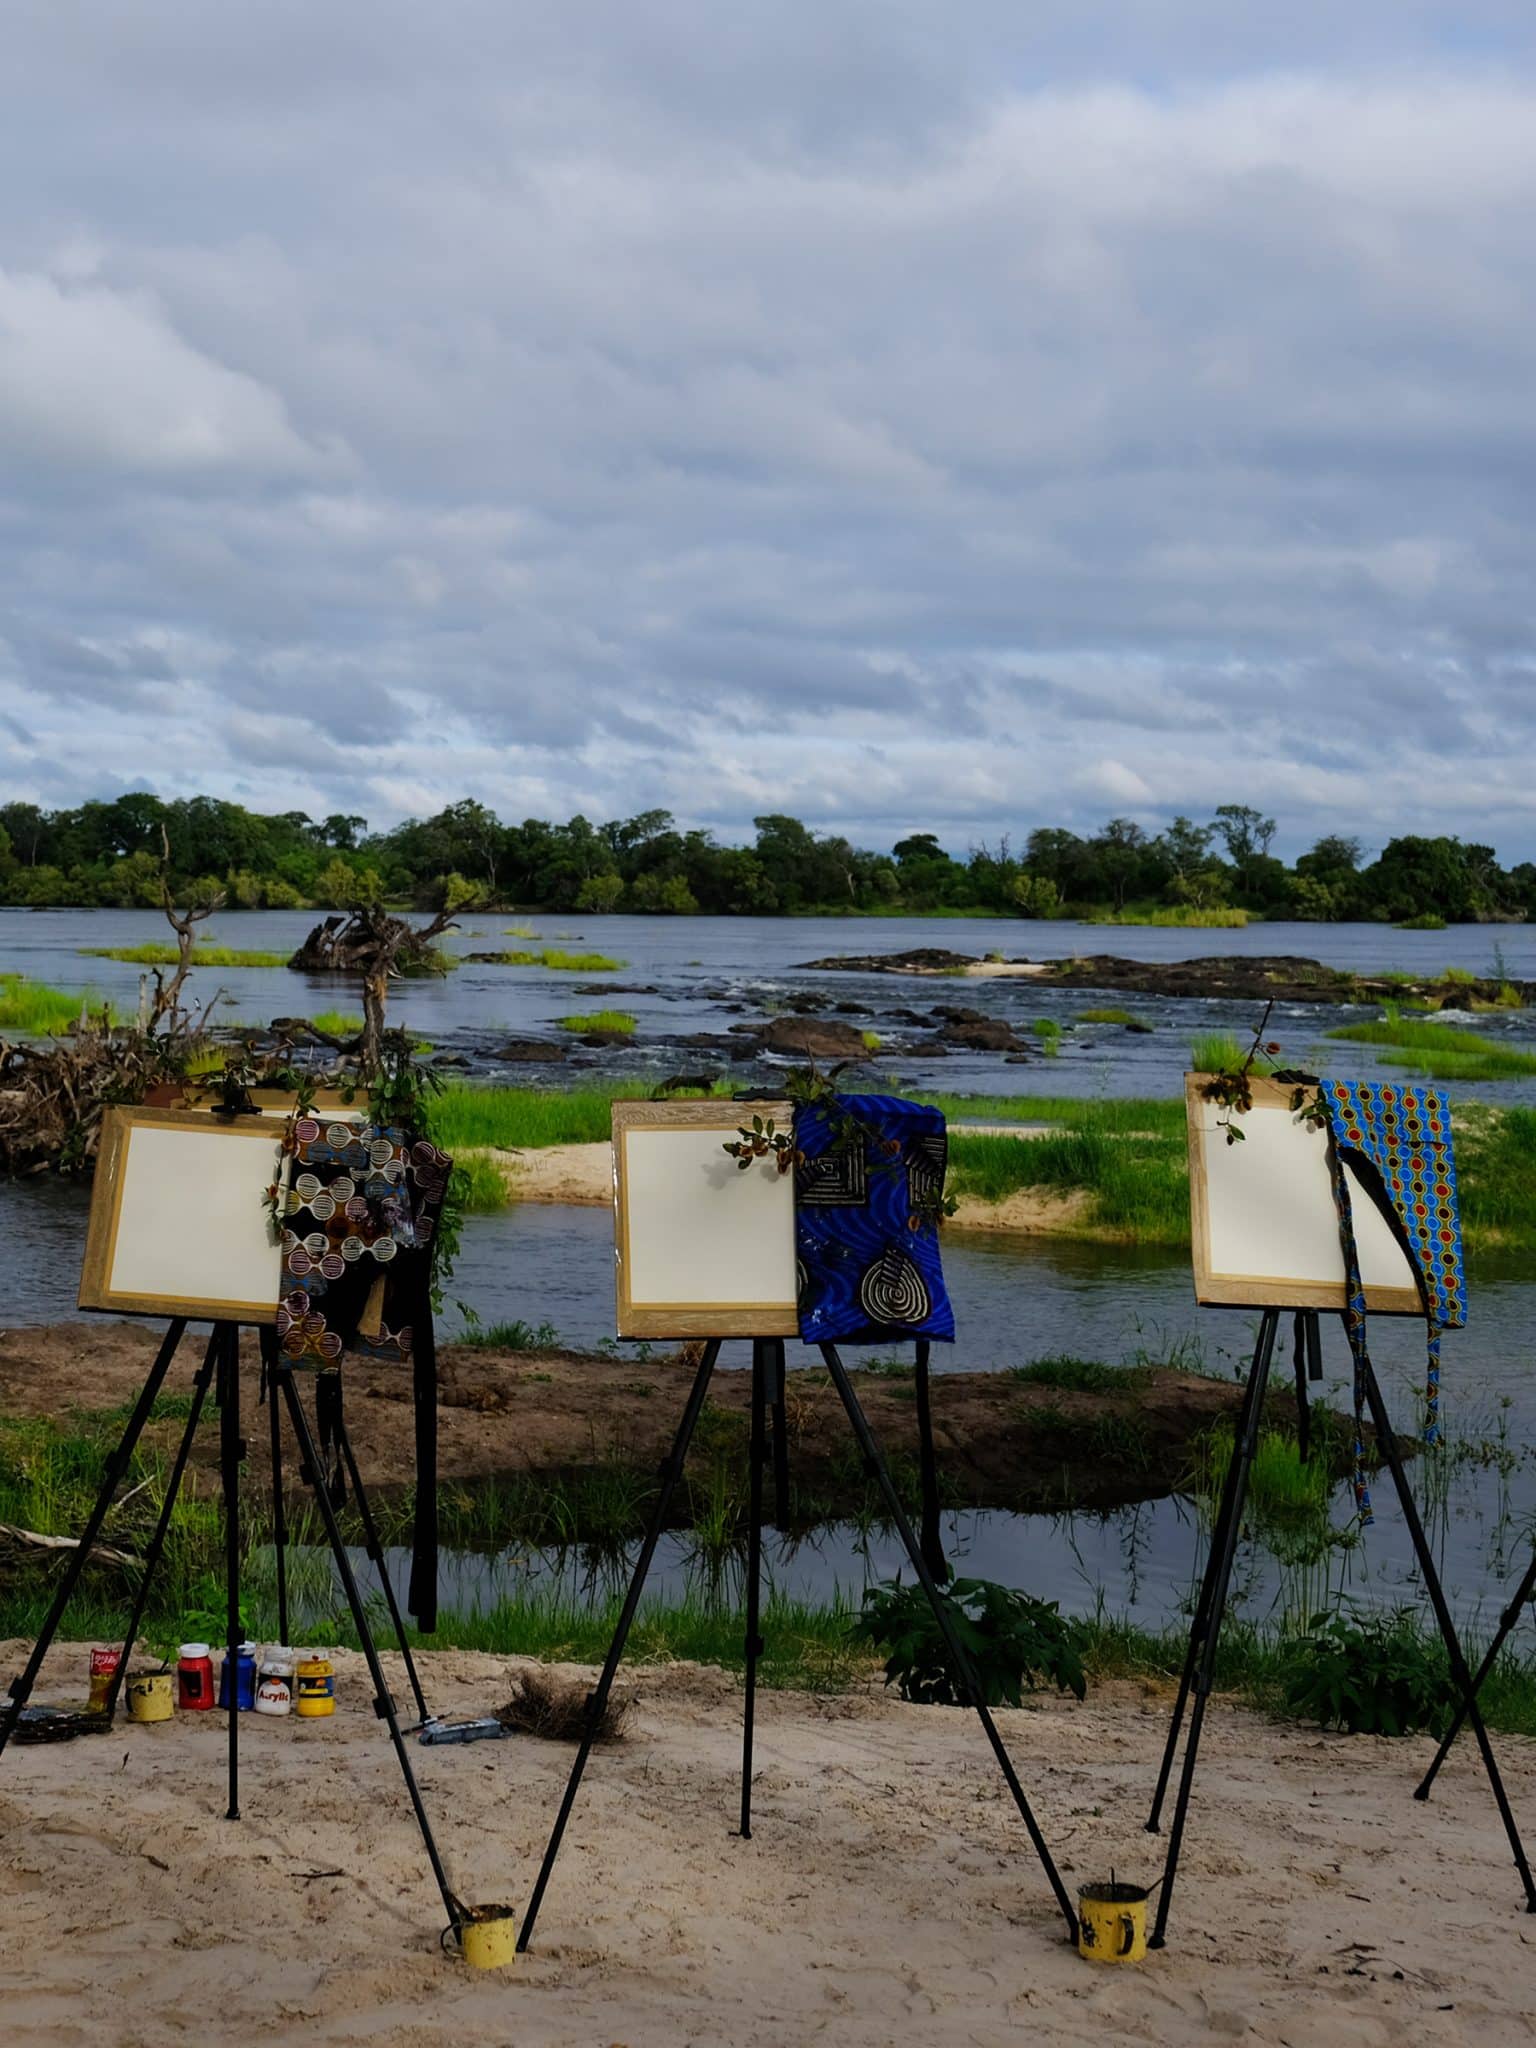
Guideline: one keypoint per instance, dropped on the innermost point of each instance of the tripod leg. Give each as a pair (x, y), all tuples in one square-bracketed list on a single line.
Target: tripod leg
[(762, 1365), (279, 1511), (1244, 1445), (1507, 1621), (1386, 1440), (231, 1452), (156, 1548), (1225, 1509), (932, 1540), (780, 1435), (375, 1551), (383, 1705), (21, 1688), (671, 1473), (1300, 1347), (875, 1464)]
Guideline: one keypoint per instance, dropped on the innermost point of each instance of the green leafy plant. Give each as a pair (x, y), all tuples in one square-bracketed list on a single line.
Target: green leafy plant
[(1013, 1640), (762, 1141), (1371, 1674)]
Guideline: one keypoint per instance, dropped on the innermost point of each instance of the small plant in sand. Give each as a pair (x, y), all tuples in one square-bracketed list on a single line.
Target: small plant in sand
[(557, 1708), (1371, 1674), (1013, 1640)]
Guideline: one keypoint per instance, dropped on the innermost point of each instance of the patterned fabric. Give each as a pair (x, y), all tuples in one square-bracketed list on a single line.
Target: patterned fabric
[(867, 1193), (360, 1198), (1398, 1140), (359, 1215)]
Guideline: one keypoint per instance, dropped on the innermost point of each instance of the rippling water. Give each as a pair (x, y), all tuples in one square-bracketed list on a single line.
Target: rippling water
[(703, 974)]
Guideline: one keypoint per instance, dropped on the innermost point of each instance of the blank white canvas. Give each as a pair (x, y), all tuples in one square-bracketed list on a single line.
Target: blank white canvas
[(702, 1231), (193, 1221), (1271, 1207)]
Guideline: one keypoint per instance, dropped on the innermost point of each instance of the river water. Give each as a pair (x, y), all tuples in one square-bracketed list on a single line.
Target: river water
[(703, 974), (1016, 1298)]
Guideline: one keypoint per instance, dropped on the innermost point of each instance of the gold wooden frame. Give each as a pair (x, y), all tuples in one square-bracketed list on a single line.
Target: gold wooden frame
[(1229, 1290), (96, 1292), (689, 1319)]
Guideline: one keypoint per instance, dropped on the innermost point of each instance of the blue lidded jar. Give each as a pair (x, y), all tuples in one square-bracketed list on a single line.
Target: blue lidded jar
[(245, 1679)]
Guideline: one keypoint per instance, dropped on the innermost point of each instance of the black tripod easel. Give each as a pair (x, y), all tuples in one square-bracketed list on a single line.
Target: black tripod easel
[(1524, 1593), (767, 1388), (220, 1374), (1210, 1606)]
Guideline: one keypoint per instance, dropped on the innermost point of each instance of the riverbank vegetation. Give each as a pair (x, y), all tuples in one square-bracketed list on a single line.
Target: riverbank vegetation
[(31, 1009), (567, 1609), (1193, 873), (202, 956), (1439, 1052)]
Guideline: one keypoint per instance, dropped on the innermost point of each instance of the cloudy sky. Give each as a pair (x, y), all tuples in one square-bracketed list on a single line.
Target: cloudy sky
[(957, 417)]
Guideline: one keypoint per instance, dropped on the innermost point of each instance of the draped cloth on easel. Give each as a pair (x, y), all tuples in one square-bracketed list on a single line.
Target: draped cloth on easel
[(868, 1189), (1398, 1141), (361, 1209)]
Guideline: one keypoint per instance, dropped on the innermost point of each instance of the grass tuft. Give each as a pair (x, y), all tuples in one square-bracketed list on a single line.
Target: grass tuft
[(162, 955), (34, 1010), (1440, 1052), (599, 1020)]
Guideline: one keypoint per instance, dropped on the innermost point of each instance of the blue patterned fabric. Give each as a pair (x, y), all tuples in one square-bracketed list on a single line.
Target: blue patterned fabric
[(868, 1187), (1398, 1139)]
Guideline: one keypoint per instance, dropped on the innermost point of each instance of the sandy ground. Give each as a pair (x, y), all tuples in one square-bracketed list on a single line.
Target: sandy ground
[(888, 1895), (583, 1175)]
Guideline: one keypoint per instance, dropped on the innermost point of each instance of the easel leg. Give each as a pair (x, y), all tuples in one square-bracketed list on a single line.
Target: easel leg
[(152, 1556), (1208, 1625), (375, 1551), (1227, 1507), (1387, 1444), (1305, 1323), (876, 1466), (21, 1687), (383, 1705), (279, 1511), (780, 1433), (762, 1366), (932, 1539), (671, 1473), (1507, 1620), (231, 1453)]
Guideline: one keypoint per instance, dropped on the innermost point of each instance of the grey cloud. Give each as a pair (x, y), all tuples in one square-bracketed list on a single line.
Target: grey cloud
[(1063, 410)]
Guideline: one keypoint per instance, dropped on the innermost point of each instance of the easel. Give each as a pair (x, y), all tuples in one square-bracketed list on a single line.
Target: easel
[(767, 1387), (1200, 1660), (220, 1372)]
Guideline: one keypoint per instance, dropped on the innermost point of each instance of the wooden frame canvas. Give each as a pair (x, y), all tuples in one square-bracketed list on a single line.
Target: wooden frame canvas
[(179, 1225), (701, 1248), (1263, 1224)]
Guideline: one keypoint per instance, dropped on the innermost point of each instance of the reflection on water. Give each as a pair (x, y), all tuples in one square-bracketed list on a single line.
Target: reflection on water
[(1016, 1299)]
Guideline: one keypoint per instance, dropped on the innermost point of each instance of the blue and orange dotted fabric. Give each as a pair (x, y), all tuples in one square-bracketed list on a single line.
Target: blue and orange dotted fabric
[(1398, 1139)]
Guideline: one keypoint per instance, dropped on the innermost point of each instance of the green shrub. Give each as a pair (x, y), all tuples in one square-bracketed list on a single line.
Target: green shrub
[(514, 1336), (1013, 1641), (1372, 1674)]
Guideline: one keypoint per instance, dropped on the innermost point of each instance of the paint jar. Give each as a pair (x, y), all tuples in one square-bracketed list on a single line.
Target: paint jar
[(274, 1687), (245, 1679), (104, 1665), (1112, 1923), (194, 1678), (151, 1695), (315, 1693)]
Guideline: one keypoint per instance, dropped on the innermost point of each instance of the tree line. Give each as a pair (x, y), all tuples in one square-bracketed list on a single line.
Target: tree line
[(113, 854)]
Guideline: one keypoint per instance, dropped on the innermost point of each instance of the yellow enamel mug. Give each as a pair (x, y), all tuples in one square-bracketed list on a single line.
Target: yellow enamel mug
[(488, 1938), (1112, 1923), (151, 1696)]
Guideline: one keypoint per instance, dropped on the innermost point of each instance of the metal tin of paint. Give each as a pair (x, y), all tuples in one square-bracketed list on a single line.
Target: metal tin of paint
[(316, 1689)]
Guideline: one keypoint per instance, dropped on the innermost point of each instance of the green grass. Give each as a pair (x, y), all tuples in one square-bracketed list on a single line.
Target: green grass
[(1075, 1375), (1106, 1016), (872, 1040), (1216, 1052), (482, 1185), (1426, 921), (339, 1023), (599, 1020), (1179, 916), (566, 963), (1495, 1154), (1441, 1052), (1048, 1031), (160, 955), (34, 1010), (514, 1336), (1129, 1157)]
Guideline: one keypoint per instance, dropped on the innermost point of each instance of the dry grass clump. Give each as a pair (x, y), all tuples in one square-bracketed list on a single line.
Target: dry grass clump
[(556, 1708)]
